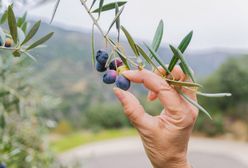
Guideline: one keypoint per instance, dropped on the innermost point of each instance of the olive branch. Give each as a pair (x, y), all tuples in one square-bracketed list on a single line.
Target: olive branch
[(151, 57)]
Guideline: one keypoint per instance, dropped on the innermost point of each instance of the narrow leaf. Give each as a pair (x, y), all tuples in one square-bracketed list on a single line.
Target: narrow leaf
[(93, 3), (214, 94), (109, 6), (12, 24), (55, 10), (130, 41), (4, 17), (115, 19), (21, 20), (118, 22), (158, 36), (182, 47), (154, 54), (40, 41), (32, 32), (93, 46), (146, 57), (180, 83), (24, 27), (194, 104), (177, 53), (100, 7)]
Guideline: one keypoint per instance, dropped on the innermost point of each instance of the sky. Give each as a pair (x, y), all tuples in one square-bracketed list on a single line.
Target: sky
[(216, 23)]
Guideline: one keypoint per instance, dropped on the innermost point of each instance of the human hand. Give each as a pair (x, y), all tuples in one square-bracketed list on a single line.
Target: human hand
[(165, 137)]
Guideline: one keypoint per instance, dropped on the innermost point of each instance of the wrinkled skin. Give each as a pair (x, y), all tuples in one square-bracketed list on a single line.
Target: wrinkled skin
[(165, 137)]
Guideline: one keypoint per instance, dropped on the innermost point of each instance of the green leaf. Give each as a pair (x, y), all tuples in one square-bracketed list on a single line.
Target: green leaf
[(194, 103), (177, 53), (130, 41), (118, 22), (158, 36), (2, 36), (55, 10), (180, 83), (182, 47), (109, 6), (4, 17), (30, 56), (32, 32), (115, 19), (154, 54), (24, 27), (146, 57), (40, 41), (93, 46), (93, 3), (21, 20), (21, 35), (214, 94), (12, 24), (100, 7)]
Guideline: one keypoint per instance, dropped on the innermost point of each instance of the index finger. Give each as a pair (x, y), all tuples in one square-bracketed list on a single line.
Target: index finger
[(166, 94)]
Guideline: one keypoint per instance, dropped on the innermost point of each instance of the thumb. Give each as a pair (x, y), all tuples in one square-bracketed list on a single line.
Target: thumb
[(132, 107)]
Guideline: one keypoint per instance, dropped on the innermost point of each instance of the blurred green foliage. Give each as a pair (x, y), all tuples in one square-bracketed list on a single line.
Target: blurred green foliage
[(232, 77)]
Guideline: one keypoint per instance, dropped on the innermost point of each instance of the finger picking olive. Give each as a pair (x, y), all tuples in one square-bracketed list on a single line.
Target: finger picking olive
[(122, 82)]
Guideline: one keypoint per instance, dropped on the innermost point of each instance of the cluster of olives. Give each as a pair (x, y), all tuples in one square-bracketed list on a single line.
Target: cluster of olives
[(114, 70)]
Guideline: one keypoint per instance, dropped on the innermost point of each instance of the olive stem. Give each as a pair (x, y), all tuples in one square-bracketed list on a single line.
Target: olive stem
[(107, 38)]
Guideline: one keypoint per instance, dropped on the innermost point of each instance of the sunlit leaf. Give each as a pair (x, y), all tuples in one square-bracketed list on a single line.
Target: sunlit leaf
[(109, 6), (158, 36), (154, 54), (55, 10), (182, 47), (115, 19), (130, 41), (12, 24), (177, 53), (32, 32), (93, 46), (40, 41), (194, 103), (214, 94)]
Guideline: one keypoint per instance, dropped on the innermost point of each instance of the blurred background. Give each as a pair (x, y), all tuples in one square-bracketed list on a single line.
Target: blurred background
[(70, 113)]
